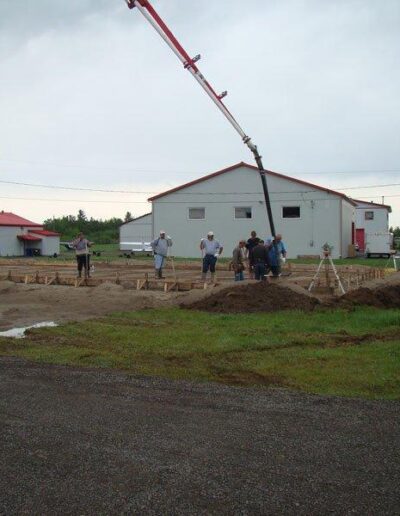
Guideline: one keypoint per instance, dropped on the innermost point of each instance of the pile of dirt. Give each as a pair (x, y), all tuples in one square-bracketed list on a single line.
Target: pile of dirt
[(259, 297), (387, 296)]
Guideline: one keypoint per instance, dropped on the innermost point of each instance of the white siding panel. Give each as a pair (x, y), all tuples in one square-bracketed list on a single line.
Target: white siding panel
[(380, 222), (9, 243), (319, 221), (50, 245), (348, 217), (138, 230)]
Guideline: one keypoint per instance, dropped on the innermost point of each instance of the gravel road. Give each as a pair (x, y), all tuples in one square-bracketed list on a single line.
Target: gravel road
[(94, 442)]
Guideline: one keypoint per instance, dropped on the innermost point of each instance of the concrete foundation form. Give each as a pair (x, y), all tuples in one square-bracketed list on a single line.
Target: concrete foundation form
[(180, 276)]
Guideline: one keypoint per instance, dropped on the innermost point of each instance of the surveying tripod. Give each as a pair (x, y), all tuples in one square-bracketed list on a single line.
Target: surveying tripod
[(327, 260)]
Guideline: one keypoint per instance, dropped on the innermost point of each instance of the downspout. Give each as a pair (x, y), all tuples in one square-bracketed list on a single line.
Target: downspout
[(341, 228), (152, 221)]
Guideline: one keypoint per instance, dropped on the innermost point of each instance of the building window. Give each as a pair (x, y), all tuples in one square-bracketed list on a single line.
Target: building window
[(291, 212), (369, 215), (197, 213), (243, 213)]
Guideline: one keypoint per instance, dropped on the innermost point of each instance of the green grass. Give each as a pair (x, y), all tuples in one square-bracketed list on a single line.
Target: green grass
[(369, 262), (354, 353), (111, 252)]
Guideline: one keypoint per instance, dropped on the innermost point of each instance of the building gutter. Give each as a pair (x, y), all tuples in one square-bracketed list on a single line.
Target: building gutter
[(341, 228)]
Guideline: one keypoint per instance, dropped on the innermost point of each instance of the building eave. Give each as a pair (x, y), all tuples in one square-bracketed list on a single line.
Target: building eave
[(135, 219), (374, 204), (252, 167)]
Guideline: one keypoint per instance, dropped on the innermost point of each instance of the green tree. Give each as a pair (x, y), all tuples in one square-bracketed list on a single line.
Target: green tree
[(100, 231)]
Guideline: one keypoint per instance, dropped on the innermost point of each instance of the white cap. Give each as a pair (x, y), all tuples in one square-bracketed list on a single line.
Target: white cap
[(162, 232), (210, 233)]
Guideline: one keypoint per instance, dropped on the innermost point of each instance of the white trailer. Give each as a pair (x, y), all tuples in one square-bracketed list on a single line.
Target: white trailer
[(136, 247), (379, 243)]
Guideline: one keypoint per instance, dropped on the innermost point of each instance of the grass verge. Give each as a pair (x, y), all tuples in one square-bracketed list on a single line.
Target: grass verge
[(354, 353)]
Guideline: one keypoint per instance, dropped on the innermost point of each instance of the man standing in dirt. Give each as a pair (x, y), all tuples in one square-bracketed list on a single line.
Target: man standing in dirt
[(81, 246), (276, 254), (211, 249), (251, 243), (238, 257), (260, 257), (160, 248)]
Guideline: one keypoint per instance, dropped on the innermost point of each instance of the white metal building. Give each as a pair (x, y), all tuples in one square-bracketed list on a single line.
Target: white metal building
[(136, 231), (372, 220), (230, 202), (22, 237)]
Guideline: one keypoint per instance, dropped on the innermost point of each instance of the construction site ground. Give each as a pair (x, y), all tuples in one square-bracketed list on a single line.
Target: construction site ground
[(119, 435), (34, 291)]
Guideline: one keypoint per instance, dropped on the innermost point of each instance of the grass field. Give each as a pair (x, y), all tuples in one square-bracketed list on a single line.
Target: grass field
[(354, 353), (111, 252)]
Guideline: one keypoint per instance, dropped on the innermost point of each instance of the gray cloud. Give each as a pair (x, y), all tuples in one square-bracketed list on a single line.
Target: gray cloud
[(92, 96)]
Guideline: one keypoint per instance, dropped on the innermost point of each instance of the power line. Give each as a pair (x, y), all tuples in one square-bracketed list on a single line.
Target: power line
[(368, 186), (173, 202), (76, 188), (55, 187)]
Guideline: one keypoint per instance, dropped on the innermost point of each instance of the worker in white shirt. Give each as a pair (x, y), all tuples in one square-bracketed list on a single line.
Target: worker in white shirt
[(211, 249), (160, 249)]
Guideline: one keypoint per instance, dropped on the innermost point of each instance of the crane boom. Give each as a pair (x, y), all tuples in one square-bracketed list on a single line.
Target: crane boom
[(151, 15)]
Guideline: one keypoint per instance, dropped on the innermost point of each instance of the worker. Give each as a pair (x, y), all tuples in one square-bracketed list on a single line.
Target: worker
[(238, 260), (276, 254), (260, 259), (81, 246), (160, 248), (211, 250), (251, 242)]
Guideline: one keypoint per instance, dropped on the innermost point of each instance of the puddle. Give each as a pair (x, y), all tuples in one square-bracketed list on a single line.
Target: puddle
[(19, 333)]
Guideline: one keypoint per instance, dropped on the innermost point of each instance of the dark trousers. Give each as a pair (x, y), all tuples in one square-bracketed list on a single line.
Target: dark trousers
[(83, 261), (276, 270), (259, 271), (209, 262)]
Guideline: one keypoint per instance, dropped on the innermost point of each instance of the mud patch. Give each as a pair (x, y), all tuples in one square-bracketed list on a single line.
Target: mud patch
[(259, 297), (387, 296)]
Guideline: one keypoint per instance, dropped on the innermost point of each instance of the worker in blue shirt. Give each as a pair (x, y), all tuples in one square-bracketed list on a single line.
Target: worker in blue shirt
[(276, 254)]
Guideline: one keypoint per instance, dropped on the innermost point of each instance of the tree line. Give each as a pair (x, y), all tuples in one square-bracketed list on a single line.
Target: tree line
[(100, 231), (104, 231)]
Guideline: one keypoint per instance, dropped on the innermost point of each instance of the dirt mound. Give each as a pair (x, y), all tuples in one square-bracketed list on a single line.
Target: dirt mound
[(259, 297), (383, 297)]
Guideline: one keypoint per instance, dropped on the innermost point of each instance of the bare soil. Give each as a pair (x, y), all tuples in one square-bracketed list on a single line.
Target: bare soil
[(284, 295), (259, 297), (22, 305), (383, 297)]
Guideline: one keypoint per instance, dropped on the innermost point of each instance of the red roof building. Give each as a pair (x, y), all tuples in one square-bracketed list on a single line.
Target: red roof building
[(13, 220), (230, 202), (22, 237)]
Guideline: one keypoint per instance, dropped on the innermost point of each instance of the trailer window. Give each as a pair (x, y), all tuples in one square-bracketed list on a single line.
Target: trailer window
[(369, 215), (243, 213), (197, 213), (290, 212)]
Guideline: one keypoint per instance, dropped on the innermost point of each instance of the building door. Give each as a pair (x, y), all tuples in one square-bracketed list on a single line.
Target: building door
[(360, 239)]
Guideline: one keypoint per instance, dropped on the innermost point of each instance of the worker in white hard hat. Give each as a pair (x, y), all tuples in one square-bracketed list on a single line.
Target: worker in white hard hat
[(211, 249), (160, 249)]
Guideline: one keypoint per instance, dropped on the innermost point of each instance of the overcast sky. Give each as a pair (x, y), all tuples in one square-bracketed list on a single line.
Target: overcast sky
[(91, 97)]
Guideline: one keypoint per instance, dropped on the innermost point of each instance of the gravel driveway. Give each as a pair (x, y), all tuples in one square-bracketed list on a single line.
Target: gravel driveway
[(82, 442)]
